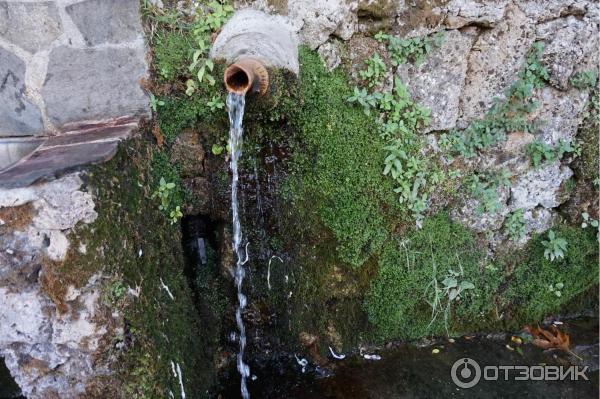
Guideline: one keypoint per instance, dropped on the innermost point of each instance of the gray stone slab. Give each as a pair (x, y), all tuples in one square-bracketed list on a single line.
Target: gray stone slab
[(107, 21), (94, 84), (14, 149), (437, 83), (30, 26), (49, 163), (18, 116), (59, 154)]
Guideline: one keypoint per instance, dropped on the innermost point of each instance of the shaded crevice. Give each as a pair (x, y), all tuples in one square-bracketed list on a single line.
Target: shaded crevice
[(8, 387)]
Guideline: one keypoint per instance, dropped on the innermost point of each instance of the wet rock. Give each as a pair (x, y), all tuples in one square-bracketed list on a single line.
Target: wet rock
[(45, 348), (188, 152), (538, 220), (316, 20), (573, 43), (330, 53), (94, 84), (334, 337), (516, 142), (464, 12), (437, 83), (18, 116), (542, 10), (469, 216), (539, 187), (307, 340), (511, 156), (199, 189), (361, 48), (226, 256), (494, 62), (560, 114), (376, 8), (29, 25), (107, 21)]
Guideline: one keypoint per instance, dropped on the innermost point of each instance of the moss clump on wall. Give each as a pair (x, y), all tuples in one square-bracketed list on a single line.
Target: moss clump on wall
[(529, 297), (132, 243), (588, 136), (409, 269), (336, 169)]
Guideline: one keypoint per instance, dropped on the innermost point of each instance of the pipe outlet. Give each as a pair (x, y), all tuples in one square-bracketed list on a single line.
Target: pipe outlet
[(246, 75)]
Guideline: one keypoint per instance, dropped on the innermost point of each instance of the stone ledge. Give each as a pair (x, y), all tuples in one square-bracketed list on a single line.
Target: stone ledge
[(57, 155)]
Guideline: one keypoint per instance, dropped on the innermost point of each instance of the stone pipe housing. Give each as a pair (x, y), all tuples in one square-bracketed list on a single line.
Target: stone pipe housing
[(251, 42)]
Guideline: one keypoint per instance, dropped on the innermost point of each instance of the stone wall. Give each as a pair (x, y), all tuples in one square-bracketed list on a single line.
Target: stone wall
[(485, 46), (69, 69), (69, 91)]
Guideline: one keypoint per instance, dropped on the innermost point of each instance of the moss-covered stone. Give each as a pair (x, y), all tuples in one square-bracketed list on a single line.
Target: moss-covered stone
[(132, 243), (528, 296)]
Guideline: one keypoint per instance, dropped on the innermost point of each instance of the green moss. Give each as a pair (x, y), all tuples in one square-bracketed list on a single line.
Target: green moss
[(588, 137), (172, 52), (528, 295), (132, 242), (397, 300), (337, 163)]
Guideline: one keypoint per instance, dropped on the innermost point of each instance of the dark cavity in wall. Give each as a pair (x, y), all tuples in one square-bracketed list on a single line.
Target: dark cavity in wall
[(8, 387)]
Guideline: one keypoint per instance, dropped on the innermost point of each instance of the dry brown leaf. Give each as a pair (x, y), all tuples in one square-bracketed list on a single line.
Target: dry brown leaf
[(550, 339), (160, 139)]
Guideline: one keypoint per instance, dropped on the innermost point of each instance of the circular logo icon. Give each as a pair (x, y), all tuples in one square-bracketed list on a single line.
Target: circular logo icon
[(465, 373)]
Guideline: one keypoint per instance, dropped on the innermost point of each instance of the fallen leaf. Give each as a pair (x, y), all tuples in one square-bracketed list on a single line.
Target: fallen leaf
[(160, 139), (516, 340), (552, 338)]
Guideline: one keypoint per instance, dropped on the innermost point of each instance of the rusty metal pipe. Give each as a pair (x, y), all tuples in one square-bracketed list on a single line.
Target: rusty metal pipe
[(246, 75)]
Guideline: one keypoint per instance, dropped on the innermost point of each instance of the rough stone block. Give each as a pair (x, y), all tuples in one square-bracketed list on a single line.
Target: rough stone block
[(494, 63), (94, 84), (59, 154), (107, 21), (437, 83), (18, 116), (30, 26)]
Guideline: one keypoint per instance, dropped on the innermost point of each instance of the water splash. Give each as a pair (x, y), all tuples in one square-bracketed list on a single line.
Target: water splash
[(235, 107)]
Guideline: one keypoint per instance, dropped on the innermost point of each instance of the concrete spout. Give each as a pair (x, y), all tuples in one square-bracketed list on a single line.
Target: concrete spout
[(252, 42), (247, 75)]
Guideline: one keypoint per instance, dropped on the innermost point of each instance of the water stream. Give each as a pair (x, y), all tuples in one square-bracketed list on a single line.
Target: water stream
[(235, 108)]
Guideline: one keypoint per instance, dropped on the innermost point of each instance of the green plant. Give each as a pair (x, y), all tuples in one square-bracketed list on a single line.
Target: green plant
[(167, 193), (484, 188), (217, 149), (175, 214), (584, 79), (376, 69), (114, 292), (448, 290), (399, 119), (410, 296), (364, 99), (414, 49), (515, 225), (215, 103), (555, 246), (155, 103), (164, 194), (509, 115), (533, 272), (541, 153), (555, 289), (207, 20), (588, 221)]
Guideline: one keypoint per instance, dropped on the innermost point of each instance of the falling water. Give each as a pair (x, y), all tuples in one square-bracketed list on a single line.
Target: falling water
[(235, 107)]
